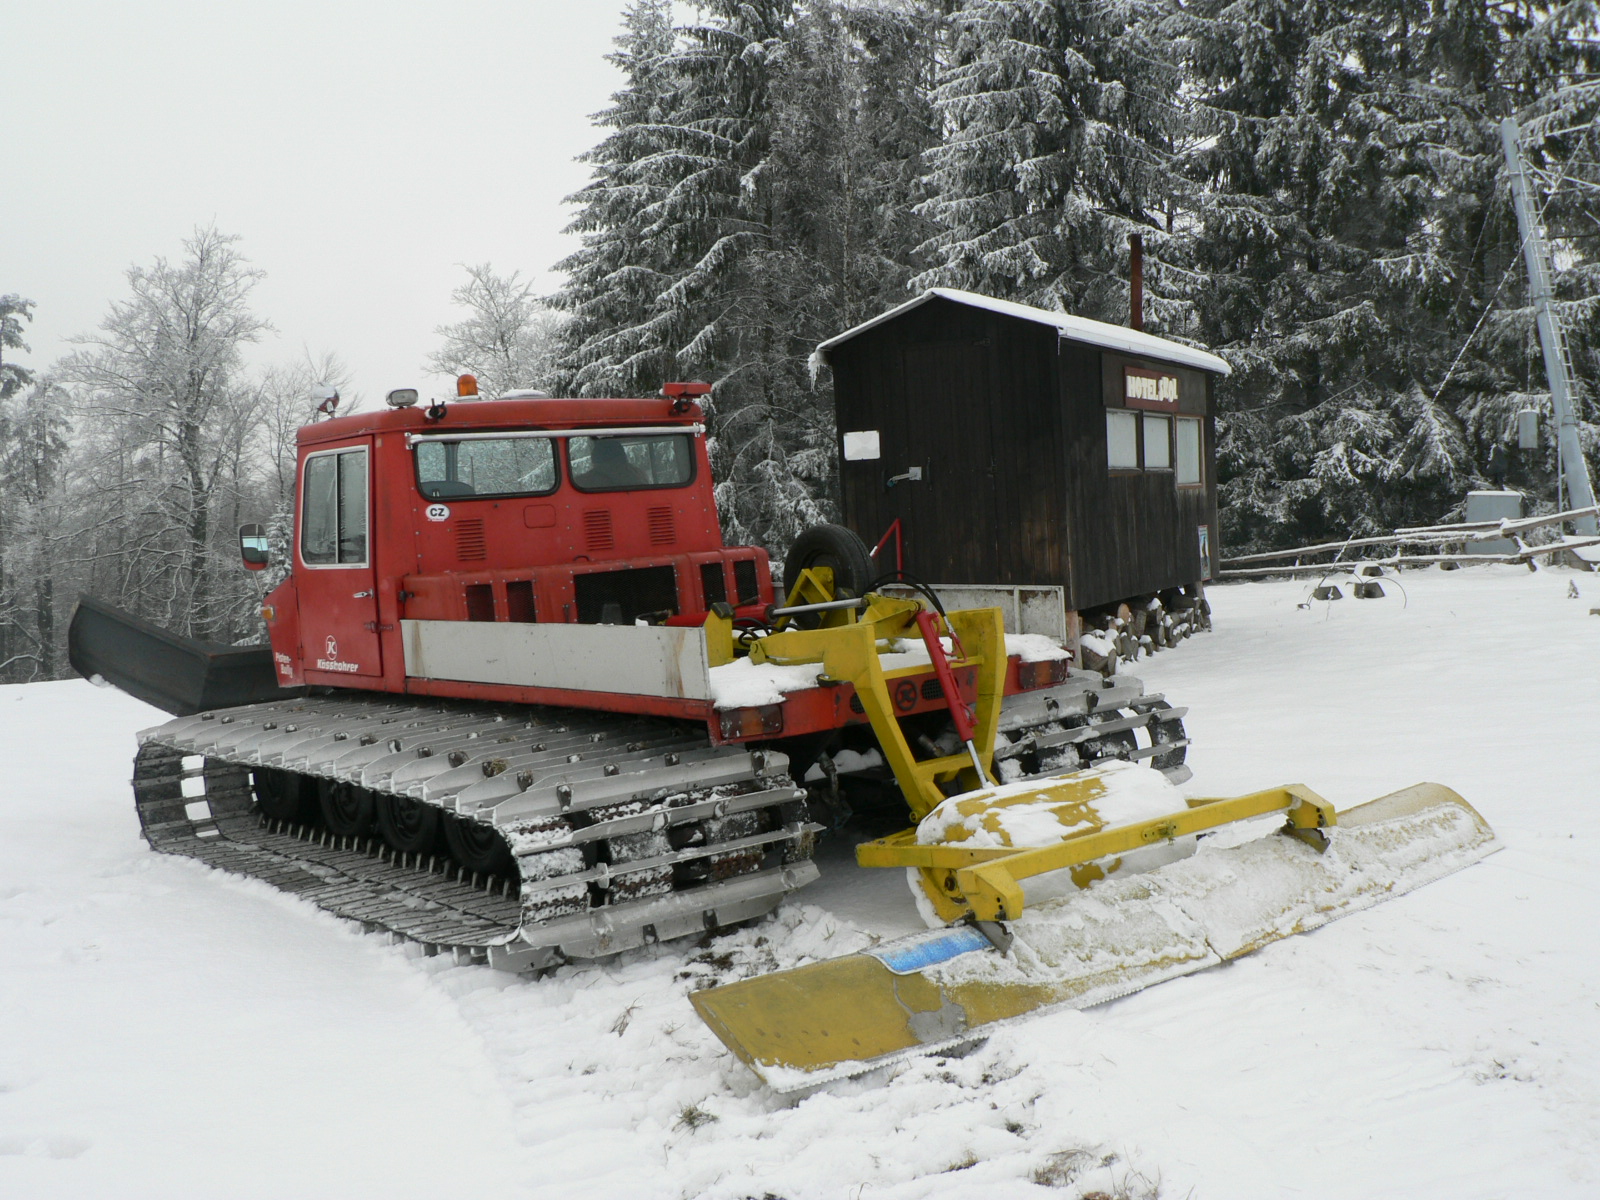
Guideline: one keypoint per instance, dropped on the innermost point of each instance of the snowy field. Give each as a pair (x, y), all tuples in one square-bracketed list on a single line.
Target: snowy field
[(169, 1031)]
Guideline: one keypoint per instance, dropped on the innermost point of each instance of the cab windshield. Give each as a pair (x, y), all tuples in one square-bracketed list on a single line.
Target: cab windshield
[(486, 467), (627, 462)]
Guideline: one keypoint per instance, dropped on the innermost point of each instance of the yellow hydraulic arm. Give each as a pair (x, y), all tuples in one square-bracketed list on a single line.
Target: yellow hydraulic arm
[(849, 649)]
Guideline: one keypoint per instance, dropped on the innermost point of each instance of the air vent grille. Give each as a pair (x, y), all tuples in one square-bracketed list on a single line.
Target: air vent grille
[(480, 602), (628, 595), (659, 522), (470, 543), (519, 601), (744, 581), (597, 529), (713, 582)]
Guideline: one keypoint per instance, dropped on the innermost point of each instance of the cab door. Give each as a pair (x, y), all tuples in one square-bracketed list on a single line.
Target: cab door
[(334, 572)]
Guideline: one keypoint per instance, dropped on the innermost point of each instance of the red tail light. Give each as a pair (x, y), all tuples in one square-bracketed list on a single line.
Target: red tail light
[(1032, 675), (741, 723)]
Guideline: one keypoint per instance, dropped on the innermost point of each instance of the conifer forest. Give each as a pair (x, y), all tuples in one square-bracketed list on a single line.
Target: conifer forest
[(1320, 188)]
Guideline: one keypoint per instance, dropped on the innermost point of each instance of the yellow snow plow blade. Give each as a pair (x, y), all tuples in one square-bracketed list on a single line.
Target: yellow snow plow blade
[(937, 990), (973, 852)]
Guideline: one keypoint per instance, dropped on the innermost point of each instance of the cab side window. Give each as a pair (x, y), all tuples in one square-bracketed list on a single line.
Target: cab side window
[(333, 509)]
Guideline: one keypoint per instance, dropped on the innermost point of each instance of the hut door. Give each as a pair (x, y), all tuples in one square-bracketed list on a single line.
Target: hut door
[(948, 517)]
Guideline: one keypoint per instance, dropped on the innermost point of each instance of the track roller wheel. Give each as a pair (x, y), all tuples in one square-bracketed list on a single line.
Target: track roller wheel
[(407, 825), (346, 808), (1162, 733), (476, 846), (284, 796), (1120, 744)]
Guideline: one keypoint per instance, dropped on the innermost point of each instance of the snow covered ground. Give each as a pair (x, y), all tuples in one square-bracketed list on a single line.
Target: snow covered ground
[(169, 1031)]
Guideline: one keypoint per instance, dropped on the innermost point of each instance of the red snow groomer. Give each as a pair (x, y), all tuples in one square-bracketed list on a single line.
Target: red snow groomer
[(521, 703)]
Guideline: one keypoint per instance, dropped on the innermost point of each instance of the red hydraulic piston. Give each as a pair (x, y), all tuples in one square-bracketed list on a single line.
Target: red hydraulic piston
[(929, 624)]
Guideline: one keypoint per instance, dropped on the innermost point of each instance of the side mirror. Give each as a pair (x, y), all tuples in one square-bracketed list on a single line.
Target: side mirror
[(253, 546)]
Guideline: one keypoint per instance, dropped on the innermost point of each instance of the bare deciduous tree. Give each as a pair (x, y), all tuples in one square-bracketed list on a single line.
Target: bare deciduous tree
[(162, 389), (509, 341)]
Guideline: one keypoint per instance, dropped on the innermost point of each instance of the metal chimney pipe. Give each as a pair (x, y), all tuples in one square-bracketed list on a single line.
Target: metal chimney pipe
[(1135, 281)]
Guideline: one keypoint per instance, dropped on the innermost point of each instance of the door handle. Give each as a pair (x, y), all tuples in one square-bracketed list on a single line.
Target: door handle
[(361, 596)]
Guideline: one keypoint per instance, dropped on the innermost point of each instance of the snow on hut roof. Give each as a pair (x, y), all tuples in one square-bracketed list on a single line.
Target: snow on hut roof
[(1079, 329)]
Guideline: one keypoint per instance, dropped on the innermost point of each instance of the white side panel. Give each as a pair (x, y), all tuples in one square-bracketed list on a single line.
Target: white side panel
[(636, 660), (1040, 608)]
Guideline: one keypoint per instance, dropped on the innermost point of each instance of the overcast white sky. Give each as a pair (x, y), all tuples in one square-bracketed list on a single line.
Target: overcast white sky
[(362, 151)]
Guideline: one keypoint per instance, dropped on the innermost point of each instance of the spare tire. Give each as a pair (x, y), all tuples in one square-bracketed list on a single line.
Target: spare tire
[(837, 548)]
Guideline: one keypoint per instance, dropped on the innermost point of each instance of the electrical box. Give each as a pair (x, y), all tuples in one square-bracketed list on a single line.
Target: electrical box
[(1494, 506), (1528, 429)]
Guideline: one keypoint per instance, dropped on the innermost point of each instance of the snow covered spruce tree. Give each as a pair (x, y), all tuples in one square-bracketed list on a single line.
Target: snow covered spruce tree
[(509, 341), (761, 204), (826, 196), (1352, 234), (1059, 124), (33, 533), (633, 228), (31, 447), (14, 312), (166, 426)]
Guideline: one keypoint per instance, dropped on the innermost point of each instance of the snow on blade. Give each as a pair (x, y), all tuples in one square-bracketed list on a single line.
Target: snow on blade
[(1018, 814), (1128, 932)]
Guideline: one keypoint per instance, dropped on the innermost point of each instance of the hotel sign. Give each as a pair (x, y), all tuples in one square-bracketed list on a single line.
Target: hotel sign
[(1149, 389)]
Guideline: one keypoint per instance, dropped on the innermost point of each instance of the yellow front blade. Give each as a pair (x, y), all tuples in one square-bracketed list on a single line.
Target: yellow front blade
[(805, 1026)]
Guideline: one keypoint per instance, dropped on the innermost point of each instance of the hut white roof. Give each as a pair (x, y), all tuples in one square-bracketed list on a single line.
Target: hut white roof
[(1078, 329)]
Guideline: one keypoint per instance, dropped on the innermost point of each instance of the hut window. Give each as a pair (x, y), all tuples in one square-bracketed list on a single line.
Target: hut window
[(1157, 444), (1122, 440), (1189, 451)]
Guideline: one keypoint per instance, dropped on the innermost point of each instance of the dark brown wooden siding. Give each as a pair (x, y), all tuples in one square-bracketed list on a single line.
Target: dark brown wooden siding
[(964, 394), (1008, 422), (1138, 532)]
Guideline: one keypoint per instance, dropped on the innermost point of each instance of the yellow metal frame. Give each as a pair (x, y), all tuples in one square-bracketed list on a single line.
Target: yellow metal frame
[(984, 881), (815, 586), (849, 648), (963, 880)]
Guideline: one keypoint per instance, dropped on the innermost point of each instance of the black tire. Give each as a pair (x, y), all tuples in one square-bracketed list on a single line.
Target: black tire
[(837, 548), (477, 847), (407, 825), (347, 810), (284, 796)]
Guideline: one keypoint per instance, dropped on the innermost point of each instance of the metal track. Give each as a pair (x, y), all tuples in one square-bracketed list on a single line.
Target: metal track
[(624, 830), (1088, 720)]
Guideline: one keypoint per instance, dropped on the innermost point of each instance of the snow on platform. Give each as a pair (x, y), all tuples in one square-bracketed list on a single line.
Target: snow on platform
[(165, 1030)]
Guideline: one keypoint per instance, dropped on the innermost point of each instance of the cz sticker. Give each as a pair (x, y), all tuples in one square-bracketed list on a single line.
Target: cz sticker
[(438, 512)]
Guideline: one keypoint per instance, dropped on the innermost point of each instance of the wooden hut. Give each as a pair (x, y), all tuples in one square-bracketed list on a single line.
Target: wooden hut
[(1022, 448)]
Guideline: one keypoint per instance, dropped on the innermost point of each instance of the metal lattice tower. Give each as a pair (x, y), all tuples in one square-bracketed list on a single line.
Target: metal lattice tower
[(1557, 361)]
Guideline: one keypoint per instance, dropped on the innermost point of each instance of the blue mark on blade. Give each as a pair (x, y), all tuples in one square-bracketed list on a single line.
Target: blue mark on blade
[(910, 955)]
